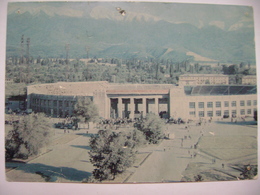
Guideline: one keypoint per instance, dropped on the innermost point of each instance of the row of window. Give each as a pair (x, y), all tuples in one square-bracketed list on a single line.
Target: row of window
[(226, 104), (52, 112), (225, 113), (53, 103)]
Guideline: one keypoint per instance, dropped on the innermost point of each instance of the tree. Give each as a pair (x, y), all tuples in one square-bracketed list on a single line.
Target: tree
[(198, 178), (111, 153), (85, 110), (28, 136), (248, 172), (152, 127)]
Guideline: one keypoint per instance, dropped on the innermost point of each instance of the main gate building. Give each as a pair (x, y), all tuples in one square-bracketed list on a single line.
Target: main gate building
[(136, 100)]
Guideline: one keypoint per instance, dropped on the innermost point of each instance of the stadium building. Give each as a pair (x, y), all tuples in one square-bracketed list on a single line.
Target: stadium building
[(136, 100)]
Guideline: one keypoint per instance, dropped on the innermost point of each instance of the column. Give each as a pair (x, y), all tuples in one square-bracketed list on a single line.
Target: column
[(156, 106), (119, 107), (132, 108), (144, 107), (108, 110)]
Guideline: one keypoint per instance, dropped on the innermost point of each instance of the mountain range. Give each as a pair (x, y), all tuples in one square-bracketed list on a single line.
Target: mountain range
[(103, 32)]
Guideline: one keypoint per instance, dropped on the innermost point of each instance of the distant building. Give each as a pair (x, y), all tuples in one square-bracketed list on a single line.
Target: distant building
[(249, 80), (136, 100), (203, 79)]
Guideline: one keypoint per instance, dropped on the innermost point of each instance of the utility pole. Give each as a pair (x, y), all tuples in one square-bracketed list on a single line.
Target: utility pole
[(67, 47), (22, 41), (28, 60), (28, 51)]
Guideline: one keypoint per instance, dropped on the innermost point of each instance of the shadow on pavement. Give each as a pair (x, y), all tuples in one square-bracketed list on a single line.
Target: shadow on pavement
[(81, 146), (53, 173), (237, 123), (85, 134)]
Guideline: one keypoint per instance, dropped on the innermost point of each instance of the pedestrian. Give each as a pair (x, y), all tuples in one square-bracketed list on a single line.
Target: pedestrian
[(164, 149), (223, 166)]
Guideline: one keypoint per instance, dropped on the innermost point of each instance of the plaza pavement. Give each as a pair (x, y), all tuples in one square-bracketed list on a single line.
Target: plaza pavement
[(171, 161)]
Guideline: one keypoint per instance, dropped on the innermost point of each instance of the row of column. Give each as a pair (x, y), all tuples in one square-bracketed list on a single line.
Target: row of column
[(132, 106)]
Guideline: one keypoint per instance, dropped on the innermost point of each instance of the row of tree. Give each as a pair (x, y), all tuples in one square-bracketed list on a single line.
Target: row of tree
[(113, 70)]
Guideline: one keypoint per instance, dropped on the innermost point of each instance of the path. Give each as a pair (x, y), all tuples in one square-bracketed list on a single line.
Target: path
[(67, 162)]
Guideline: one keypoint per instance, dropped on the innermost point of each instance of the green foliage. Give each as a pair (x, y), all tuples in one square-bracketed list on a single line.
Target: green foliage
[(111, 153), (85, 110), (198, 178), (15, 89), (249, 172), (27, 137), (152, 127), (230, 70)]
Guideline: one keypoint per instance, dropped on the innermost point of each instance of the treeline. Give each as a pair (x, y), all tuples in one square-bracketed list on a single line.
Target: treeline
[(45, 70)]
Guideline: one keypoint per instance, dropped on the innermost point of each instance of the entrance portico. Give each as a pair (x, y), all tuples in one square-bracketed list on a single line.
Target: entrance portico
[(138, 106)]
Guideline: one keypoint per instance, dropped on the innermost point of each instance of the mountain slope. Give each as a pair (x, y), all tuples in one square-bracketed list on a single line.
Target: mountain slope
[(133, 36)]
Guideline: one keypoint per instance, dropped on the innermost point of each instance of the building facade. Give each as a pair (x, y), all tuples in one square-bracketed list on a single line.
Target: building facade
[(249, 80), (203, 79), (136, 100)]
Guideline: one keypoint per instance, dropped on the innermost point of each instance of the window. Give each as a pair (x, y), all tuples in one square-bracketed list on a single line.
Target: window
[(210, 113), (242, 111), (218, 104), (234, 113), (226, 104), (192, 104), (242, 103), (249, 111), (255, 102), (233, 103), (210, 104), (201, 113), (226, 112), (201, 104), (249, 102), (55, 103), (66, 103), (218, 113), (192, 113)]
